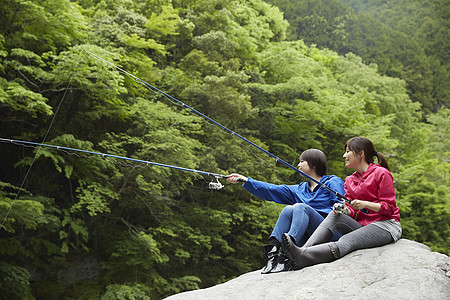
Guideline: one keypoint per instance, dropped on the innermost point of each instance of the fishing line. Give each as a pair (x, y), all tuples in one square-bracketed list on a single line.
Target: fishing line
[(212, 185), (38, 148), (277, 159)]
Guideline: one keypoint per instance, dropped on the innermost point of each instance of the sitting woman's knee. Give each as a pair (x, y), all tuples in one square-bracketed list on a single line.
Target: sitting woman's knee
[(302, 207), (288, 209)]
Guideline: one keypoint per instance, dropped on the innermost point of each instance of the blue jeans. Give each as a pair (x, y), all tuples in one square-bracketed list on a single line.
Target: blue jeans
[(299, 221)]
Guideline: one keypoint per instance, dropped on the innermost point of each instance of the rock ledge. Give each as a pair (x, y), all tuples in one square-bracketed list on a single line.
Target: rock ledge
[(404, 270)]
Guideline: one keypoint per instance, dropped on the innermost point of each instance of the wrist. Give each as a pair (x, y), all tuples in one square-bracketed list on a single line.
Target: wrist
[(242, 179)]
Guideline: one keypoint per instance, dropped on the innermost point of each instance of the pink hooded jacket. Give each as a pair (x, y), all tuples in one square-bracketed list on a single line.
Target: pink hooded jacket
[(375, 185)]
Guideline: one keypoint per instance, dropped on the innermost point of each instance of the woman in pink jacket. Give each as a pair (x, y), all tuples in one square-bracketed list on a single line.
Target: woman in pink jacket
[(372, 218)]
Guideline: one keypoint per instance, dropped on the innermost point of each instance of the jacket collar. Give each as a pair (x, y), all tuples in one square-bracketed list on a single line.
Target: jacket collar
[(366, 173)]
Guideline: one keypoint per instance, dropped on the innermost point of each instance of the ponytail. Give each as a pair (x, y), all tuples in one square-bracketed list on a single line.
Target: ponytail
[(381, 160)]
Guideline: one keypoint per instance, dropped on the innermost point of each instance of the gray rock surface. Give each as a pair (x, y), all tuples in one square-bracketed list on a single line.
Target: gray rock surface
[(404, 270)]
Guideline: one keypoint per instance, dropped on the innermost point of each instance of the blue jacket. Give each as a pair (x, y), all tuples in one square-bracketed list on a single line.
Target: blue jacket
[(320, 199)]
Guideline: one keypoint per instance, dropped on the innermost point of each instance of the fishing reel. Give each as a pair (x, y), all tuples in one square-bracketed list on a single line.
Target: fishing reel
[(217, 185)]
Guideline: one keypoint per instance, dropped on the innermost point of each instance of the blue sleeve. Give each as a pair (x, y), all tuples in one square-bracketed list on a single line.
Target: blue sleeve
[(271, 192)]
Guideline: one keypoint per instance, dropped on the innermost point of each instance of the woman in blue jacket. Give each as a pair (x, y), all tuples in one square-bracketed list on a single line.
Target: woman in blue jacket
[(307, 205)]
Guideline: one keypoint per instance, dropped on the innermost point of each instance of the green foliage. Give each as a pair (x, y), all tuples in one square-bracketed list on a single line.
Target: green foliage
[(125, 292), (424, 183), (145, 232), (14, 282), (94, 197), (25, 212), (31, 23), (425, 210), (17, 98), (405, 39)]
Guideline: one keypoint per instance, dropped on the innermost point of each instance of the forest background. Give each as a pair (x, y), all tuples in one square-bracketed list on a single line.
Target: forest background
[(286, 74)]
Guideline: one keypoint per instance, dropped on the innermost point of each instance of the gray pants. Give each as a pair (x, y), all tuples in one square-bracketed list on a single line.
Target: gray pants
[(354, 235)]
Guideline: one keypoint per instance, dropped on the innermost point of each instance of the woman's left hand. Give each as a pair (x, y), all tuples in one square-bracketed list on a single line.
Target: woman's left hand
[(361, 204), (358, 204)]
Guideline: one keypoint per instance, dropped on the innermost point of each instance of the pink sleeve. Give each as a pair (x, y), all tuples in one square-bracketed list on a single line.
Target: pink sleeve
[(386, 194)]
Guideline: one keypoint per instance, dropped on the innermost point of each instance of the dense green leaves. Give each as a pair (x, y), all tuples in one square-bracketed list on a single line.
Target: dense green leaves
[(82, 226), (407, 39), (15, 282)]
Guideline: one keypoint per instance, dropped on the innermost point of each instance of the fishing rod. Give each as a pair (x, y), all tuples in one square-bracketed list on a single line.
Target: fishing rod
[(212, 185), (277, 159)]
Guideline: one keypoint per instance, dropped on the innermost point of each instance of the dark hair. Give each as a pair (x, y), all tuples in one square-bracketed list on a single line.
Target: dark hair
[(359, 143), (315, 159)]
